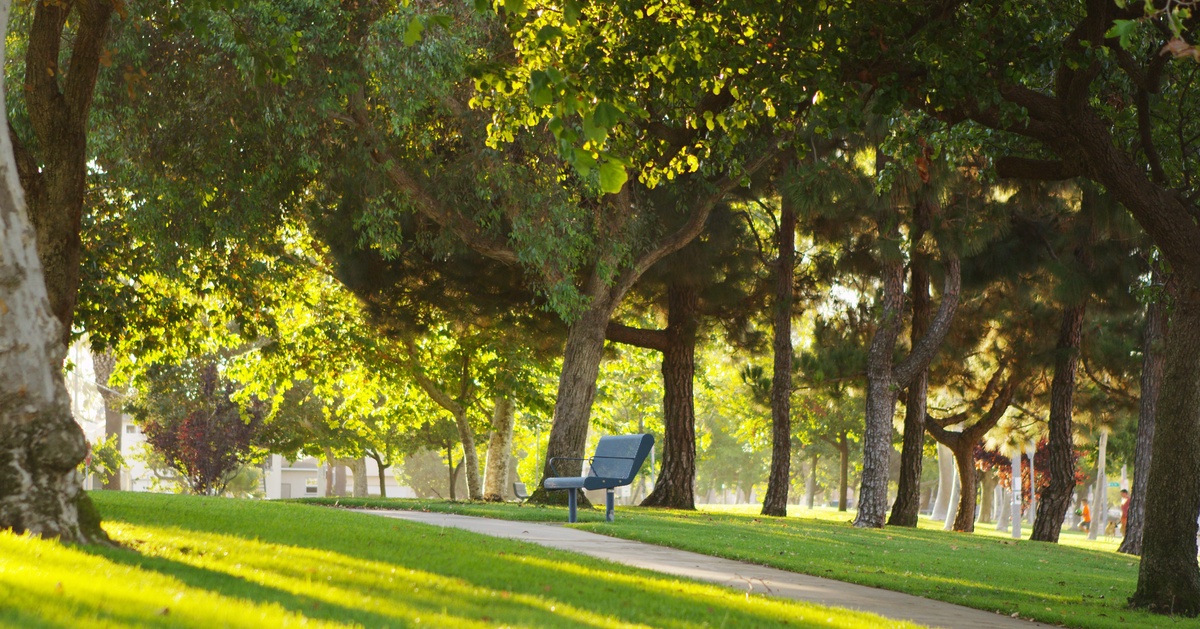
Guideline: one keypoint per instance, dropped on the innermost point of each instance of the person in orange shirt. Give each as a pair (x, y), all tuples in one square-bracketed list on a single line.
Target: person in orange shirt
[(1086, 523)]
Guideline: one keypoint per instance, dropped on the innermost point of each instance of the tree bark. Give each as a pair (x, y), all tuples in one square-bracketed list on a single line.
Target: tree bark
[(779, 479), (1100, 493), (988, 497), (941, 503), (382, 478), (884, 380), (843, 472), (810, 486), (1056, 497), (908, 495), (1168, 579), (674, 487), (1152, 373), (582, 355), (58, 102), (499, 449), (103, 365), (358, 467), (40, 444)]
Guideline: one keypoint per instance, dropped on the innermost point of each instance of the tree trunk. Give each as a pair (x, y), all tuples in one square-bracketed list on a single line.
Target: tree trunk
[(810, 487), (576, 390), (941, 503), (382, 478), (1056, 497), (452, 470), (880, 401), (987, 496), (103, 365), (358, 467), (1100, 496), (775, 502), (40, 444), (676, 479), (844, 472), (1152, 373), (908, 496), (1168, 579), (54, 174), (964, 458), (499, 449), (330, 463)]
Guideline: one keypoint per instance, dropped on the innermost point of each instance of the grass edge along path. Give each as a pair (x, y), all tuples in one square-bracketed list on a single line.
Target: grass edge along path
[(1052, 583), (200, 562)]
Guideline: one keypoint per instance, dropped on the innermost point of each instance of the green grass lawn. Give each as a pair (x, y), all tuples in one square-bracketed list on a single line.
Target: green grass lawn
[(1076, 583), (212, 562)]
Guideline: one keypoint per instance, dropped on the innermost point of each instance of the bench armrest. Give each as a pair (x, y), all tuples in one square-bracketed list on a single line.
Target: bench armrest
[(563, 458)]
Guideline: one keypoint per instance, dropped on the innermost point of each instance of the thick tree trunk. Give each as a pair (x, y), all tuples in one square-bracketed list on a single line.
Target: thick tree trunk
[(779, 479), (1168, 579), (40, 444), (987, 496), (358, 467), (576, 391), (103, 365), (499, 449), (908, 495), (55, 178), (882, 393), (941, 503), (844, 473), (1152, 373), (964, 458), (1056, 497), (676, 479)]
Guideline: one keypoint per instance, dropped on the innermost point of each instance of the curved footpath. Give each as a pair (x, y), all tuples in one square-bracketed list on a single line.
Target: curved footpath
[(735, 574)]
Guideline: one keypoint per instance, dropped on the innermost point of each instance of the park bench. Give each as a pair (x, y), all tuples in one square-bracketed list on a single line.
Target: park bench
[(617, 460), (520, 492)]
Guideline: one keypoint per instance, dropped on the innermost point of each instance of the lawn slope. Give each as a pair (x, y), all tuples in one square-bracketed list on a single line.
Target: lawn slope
[(1072, 585), (210, 562)]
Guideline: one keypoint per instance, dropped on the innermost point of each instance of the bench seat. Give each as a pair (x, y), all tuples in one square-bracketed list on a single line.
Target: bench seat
[(616, 462)]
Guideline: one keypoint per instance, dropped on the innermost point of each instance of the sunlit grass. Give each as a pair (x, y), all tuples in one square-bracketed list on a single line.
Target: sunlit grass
[(197, 562), (1077, 583)]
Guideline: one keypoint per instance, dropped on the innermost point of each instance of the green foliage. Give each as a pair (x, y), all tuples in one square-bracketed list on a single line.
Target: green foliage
[(104, 458)]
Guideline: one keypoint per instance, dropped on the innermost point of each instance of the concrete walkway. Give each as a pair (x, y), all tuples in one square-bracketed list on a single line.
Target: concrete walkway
[(735, 574)]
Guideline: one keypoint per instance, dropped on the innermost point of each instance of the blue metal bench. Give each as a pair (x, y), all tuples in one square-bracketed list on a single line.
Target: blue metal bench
[(616, 462)]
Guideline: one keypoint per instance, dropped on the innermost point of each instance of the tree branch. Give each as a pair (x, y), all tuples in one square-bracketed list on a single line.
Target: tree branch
[(1010, 167), (638, 337), (922, 354), (467, 230)]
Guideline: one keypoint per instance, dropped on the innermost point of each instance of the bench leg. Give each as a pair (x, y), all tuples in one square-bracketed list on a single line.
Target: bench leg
[(608, 499), (571, 502)]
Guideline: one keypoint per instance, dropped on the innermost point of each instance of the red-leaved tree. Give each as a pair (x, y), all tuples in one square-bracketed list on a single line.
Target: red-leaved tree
[(192, 422)]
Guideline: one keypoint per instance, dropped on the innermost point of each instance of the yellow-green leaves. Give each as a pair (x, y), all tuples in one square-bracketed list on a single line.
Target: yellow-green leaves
[(412, 34), (612, 176)]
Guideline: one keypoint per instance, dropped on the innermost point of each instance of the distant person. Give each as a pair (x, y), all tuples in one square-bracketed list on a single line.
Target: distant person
[(1124, 510), (1085, 524)]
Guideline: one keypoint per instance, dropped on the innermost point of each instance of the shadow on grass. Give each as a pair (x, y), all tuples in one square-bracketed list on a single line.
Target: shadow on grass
[(236, 587), (351, 567)]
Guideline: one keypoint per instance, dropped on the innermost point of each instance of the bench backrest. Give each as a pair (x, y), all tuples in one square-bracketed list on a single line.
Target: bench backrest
[(621, 456)]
